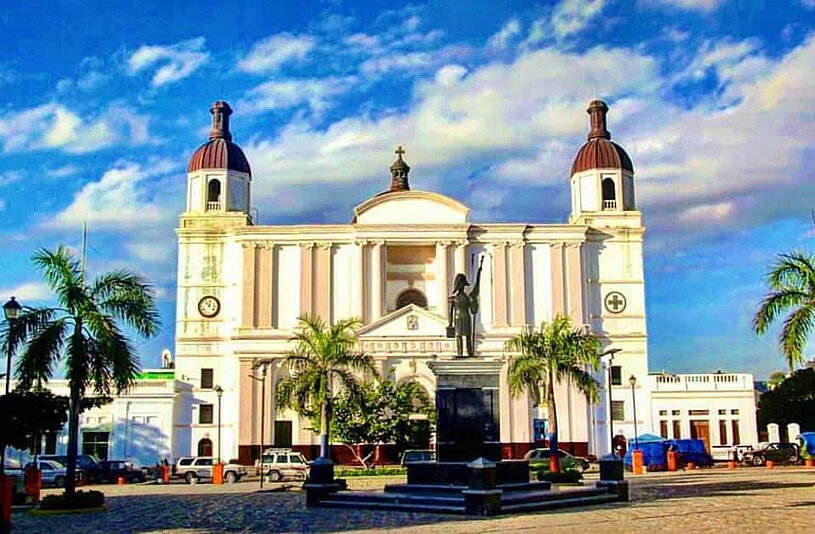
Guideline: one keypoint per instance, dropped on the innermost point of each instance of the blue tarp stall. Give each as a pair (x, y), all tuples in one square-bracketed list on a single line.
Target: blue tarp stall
[(808, 443), (691, 450), (654, 452)]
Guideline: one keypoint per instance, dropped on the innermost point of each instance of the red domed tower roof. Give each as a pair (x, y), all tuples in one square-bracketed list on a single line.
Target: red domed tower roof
[(600, 152), (219, 152)]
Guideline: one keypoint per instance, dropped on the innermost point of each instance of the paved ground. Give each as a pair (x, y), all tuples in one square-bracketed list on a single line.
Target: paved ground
[(746, 500)]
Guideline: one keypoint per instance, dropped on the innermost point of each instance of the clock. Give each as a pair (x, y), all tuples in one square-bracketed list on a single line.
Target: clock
[(209, 306)]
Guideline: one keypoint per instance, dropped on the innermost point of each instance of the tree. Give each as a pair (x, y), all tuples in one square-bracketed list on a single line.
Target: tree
[(383, 412), (555, 353), (83, 330), (776, 377), (791, 401), (27, 415), (322, 364), (791, 284)]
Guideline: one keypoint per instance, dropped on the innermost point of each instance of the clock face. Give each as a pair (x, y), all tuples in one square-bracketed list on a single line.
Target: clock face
[(209, 306)]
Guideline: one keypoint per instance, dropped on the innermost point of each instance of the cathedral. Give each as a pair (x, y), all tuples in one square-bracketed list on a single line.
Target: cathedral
[(242, 286)]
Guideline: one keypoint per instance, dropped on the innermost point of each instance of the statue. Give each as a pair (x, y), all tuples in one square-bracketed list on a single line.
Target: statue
[(463, 309)]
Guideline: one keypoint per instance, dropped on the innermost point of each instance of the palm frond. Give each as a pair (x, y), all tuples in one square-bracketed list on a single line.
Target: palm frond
[(63, 273), (793, 269), (129, 298), (43, 351), (774, 304), (797, 328)]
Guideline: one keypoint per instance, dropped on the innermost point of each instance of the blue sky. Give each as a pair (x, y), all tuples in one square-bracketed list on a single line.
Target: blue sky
[(713, 100)]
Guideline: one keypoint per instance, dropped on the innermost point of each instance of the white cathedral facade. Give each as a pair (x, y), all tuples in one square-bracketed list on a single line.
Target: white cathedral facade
[(242, 286)]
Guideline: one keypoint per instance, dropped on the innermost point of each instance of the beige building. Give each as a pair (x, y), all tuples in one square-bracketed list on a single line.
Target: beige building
[(241, 287)]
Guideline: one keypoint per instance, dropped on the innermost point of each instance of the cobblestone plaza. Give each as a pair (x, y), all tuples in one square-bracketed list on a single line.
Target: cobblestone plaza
[(713, 500)]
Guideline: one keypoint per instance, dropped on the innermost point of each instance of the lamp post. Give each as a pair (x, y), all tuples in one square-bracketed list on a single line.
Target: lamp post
[(633, 381), (11, 310), (220, 392), (610, 353), (262, 379)]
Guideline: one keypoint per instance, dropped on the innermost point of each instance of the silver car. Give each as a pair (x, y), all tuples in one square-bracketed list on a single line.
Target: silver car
[(192, 469)]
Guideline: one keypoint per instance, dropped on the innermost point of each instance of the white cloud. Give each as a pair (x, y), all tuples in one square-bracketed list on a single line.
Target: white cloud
[(28, 291), (505, 35), (275, 51), (121, 198), (62, 172), (53, 126), (688, 5), (572, 16), (176, 61), (315, 93)]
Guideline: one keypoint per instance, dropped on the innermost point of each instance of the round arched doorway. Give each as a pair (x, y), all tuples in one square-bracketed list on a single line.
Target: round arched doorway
[(411, 296), (205, 447)]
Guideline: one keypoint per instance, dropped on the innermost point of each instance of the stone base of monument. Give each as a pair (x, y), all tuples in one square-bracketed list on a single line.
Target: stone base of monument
[(480, 487)]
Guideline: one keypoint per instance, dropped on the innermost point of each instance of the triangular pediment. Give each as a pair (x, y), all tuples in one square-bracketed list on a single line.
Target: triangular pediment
[(410, 321)]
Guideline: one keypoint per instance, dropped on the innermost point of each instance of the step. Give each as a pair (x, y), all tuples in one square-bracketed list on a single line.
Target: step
[(526, 486), (560, 503), (544, 496), (425, 489), (398, 498), (392, 506)]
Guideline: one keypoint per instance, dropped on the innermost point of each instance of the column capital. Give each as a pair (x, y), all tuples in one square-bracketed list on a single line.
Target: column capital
[(444, 243), (325, 245), (249, 244), (378, 242), (362, 242), (517, 244), (308, 245)]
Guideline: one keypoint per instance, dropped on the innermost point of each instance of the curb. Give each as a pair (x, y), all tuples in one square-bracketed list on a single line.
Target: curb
[(103, 508)]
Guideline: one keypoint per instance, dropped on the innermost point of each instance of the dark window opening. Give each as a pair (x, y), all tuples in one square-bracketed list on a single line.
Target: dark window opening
[(411, 296), (609, 195), (282, 433), (95, 444), (677, 430), (616, 375), (206, 378), (735, 428), (51, 443), (205, 414), (722, 432), (214, 191), (663, 429)]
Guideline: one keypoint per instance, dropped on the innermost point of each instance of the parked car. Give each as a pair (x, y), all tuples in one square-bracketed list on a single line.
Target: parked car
[(53, 472), (192, 469), (567, 461), (87, 463), (111, 470), (277, 464), (417, 455), (782, 453)]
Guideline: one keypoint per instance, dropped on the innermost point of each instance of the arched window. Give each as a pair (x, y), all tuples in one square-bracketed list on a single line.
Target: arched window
[(205, 447), (609, 195), (411, 296), (213, 194)]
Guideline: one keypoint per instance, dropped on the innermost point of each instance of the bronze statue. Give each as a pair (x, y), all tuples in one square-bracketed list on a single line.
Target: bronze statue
[(463, 309)]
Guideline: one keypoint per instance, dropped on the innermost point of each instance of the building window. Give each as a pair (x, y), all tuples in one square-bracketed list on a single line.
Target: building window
[(675, 412), (663, 413), (698, 413), (722, 432), (618, 410), (734, 426), (722, 412), (95, 444), (734, 412), (677, 430), (609, 195), (663, 429), (205, 414), (206, 378), (51, 443), (411, 296), (616, 375)]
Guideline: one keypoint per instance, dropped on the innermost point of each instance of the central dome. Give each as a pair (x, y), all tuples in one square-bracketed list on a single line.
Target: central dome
[(219, 152), (600, 152)]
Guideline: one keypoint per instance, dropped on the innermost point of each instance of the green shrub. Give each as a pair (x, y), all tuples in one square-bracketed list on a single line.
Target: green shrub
[(81, 499), (379, 471), (567, 476)]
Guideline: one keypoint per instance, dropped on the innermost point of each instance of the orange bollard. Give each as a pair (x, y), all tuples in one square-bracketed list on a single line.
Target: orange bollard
[(33, 483), (120, 481), (731, 464), (6, 494), (809, 462), (165, 474), (671, 461), (691, 465), (218, 474), (770, 464), (637, 462)]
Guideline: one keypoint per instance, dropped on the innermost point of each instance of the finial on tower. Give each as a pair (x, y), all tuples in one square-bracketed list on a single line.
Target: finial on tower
[(220, 120), (597, 111), (399, 172)]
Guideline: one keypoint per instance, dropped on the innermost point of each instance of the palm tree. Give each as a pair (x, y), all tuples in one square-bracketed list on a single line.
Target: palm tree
[(322, 364), (792, 287), (556, 353), (83, 331)]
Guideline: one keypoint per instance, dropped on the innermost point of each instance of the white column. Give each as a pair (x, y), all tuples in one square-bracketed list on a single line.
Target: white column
[(376, 281), (359, 301), (461, 257), (442, 276)]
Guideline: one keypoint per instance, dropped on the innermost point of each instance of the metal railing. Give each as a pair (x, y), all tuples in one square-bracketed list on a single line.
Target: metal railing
[(609, 204), (214, 206)]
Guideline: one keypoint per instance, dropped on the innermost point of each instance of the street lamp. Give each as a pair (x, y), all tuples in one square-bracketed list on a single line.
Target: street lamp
[(610, 353), (633, 381), (220, 392), (262, 379), (11, 310)]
